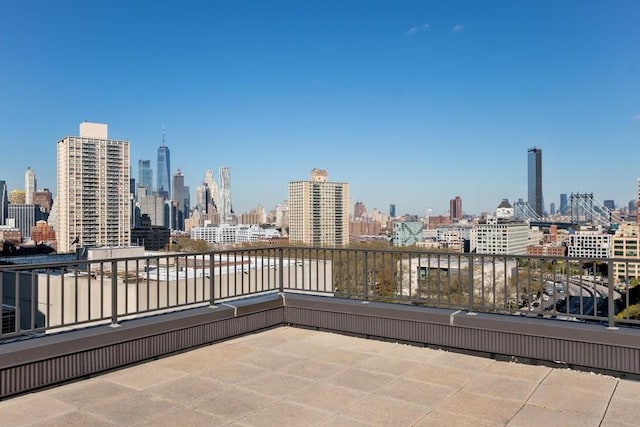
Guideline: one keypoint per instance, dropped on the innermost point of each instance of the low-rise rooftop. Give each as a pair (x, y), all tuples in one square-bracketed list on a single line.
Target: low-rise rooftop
[(292, 376)]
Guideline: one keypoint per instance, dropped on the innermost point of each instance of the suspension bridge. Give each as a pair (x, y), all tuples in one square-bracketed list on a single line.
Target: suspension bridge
[(583, 209)]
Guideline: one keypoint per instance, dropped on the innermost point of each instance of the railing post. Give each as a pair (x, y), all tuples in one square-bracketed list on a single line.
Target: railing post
[(611, 302), (18, 315), (281, 270), (2, 302), (212, 298), (470, 282), (114, 294), (366, 277)]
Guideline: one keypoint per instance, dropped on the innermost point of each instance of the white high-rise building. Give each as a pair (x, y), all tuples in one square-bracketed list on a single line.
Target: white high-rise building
[(282, 215), (319, 211), (211, 184), (29, 185), (224, 195), (93, 189)]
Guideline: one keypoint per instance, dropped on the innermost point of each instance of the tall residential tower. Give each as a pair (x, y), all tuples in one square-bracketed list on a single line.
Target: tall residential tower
[(224, 195), (93, 189), (319, 211), (455, 208), (534, 180)]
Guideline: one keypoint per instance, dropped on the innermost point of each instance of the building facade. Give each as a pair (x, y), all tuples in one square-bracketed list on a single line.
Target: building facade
[(586, 244), (638, 203), (232, 234), (29, 185), (365, 227), (152, 206), (25, 217), (212, 188), (43, 232), (501, 237), (44, 199), (455, 208), (163, 177), (564, 204), (4, 202), (179, 197), (407, 233), (534, 180), (145, 176), (92, 201), (626, 245), (224, 196), (151, 237), (359, 210), (17, 197), (319, 211)]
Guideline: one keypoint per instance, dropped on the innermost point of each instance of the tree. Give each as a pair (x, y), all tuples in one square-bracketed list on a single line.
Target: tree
[(631, 312), (186, 244)]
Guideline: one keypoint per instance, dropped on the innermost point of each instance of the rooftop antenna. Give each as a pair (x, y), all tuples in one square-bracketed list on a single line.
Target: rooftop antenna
[(163, 135)]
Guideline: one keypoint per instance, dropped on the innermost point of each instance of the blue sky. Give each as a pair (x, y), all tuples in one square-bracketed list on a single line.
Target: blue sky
[(411, 102)]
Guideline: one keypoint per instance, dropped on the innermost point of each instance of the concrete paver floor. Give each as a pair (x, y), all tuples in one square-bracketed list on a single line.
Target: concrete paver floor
[(297, 377)]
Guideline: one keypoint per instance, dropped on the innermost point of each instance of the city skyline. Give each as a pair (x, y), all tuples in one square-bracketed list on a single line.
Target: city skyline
[(410, 103)]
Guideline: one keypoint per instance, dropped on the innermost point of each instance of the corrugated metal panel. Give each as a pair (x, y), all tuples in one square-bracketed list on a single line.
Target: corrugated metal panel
[(334, 317), (573, 353), (44, 373)]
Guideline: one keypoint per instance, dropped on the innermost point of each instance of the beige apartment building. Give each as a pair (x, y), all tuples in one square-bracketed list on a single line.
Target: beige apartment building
[(319, 211), (625, 246), (93, 190)]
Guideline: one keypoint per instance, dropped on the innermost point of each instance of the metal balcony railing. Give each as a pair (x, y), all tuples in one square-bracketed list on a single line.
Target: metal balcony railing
[(51, 297)]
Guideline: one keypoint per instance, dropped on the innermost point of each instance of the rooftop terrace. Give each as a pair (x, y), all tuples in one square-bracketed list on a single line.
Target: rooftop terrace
[(248, 337), (292, 376)]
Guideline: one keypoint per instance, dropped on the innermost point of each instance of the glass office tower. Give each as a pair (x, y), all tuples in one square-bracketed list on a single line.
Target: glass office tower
[(163, 183), (534, 176)]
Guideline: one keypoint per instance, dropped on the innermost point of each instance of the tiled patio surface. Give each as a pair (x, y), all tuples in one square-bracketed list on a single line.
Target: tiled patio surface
[(295, 377)]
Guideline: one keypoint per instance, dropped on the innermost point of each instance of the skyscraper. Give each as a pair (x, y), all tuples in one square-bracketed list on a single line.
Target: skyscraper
[(178, 198), (224, 195), (163, 183), (319, 211), (563, 204), (638, 203), (92, 201), (211, 186), (392, 210), (145, 175), (455, 208), (534, 180), (29, 185), (4, 202)]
